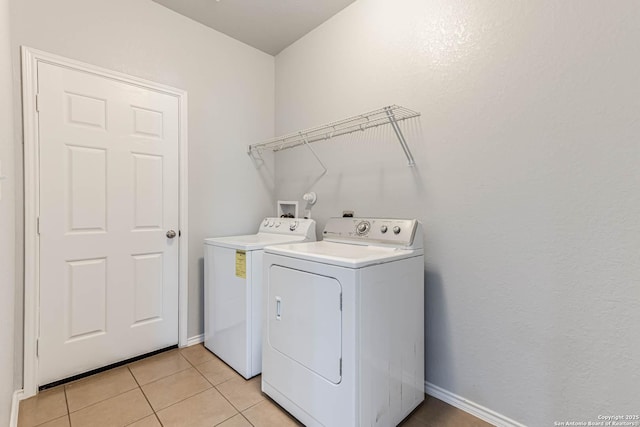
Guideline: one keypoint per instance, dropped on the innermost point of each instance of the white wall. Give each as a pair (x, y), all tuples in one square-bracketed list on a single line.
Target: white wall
[(231, 102), (7, 221), (527, 177)]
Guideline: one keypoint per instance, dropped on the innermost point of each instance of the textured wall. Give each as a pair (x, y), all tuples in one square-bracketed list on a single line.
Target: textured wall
[(7, 221), (230, 90), (527, 176)]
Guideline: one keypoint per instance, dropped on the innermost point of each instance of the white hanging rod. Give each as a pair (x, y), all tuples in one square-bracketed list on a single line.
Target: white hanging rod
[(384, 116)]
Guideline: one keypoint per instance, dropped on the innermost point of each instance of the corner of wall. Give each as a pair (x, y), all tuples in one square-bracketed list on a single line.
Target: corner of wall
[(18, 395), (7, 221)]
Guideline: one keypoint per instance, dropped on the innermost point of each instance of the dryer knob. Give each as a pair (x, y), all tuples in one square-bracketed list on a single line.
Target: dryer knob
[(383, 229), (396, 230), (362, 228), (293, 225)]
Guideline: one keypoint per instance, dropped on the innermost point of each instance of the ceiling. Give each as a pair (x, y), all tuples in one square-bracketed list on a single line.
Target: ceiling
[(268, 25)]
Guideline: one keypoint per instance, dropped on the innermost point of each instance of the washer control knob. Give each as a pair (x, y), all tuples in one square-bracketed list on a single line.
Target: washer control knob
[(265, 222), (293, 225), (383, 229), (363, 228), (396, 230), (278, 224), (271, 223)]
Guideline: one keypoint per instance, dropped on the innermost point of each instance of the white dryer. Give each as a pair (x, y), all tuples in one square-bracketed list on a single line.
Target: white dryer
[(233, 290), (344, 324)]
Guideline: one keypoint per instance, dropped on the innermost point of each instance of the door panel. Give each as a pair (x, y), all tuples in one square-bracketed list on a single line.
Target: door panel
[(305, 320), (87, 285), (85, 110), (148, 287), (108, 194), (148, 172), (87, 183)]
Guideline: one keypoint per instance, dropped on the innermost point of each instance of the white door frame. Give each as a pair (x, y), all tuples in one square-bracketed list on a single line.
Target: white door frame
[(30, 59)]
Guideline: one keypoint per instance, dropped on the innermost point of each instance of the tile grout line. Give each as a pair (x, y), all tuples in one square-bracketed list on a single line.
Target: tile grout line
[(255, 404), (227, 419), (203, 391), (66, 402), (247, 419), (195, 365), (212, 384), (211, 360), (69, 412), (160, 378), (234, 406), (239, 412), (181, 400), (228, 401), (145, 398), (225, 398), (188, 361), (180, 351), (272, 402), (242, 415), (155, 414), (216, 389), (222, 394), (57, 418)]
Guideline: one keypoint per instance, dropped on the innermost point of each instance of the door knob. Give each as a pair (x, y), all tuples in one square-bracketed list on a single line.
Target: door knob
[(171, 234)]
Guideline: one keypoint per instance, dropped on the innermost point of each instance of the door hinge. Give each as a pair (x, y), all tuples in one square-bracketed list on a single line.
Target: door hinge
[(340, 302), (38, 225), (37, 102), (38, 347), (341, 366)]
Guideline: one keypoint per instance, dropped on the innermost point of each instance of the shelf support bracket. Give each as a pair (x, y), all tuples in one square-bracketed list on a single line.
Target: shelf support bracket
[(398, 131), (324, 168)]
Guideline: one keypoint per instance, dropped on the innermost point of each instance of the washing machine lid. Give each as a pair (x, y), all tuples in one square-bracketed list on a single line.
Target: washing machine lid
[(252, 242), (342, 254)]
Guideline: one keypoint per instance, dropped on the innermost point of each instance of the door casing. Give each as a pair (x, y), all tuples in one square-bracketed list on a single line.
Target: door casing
[(30, 59)]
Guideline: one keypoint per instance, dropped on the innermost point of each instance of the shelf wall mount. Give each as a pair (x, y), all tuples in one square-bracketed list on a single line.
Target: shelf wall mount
[(390, 115)]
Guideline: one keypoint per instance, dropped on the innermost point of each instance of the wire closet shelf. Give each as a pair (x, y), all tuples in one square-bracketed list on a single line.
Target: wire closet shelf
[(384, 116)]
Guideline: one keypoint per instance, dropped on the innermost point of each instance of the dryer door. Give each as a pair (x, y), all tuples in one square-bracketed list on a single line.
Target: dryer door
[(305, 320)]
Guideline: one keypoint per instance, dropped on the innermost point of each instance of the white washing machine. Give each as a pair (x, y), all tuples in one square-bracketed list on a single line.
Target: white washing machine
[(344, 324), (233, 290)]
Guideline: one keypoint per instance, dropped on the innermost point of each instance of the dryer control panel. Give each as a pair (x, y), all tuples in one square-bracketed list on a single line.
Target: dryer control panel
[(402, 233)]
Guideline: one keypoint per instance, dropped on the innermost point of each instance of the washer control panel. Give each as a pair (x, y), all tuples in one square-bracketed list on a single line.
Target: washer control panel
[(395, 232), (293, 226)]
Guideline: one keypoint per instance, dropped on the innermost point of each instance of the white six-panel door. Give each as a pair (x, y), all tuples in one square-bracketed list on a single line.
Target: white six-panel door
[(109, 180)]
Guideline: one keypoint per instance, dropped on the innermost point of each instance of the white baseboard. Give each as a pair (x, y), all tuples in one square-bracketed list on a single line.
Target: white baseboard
[(195, 340), (472, 408), (15, 407)]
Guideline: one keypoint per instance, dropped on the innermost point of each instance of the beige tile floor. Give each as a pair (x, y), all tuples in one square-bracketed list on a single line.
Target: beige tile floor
[(189, 387)]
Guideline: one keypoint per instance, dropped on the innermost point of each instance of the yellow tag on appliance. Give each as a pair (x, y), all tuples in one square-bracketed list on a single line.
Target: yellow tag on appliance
[(241, 264)]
